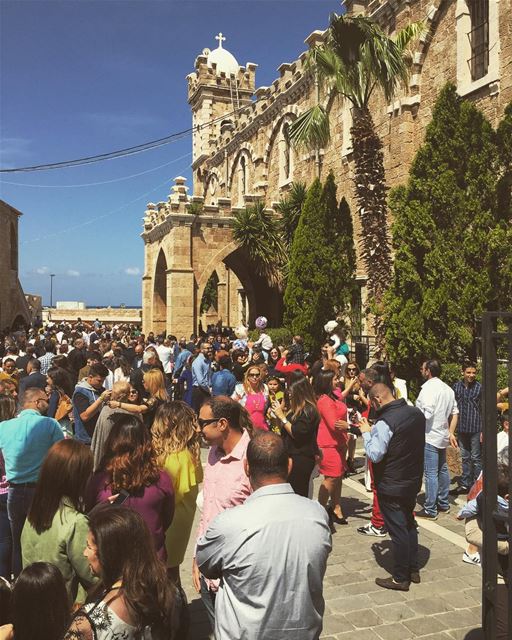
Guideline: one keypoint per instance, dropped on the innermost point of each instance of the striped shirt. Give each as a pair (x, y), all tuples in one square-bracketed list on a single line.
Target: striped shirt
[(468, 400)]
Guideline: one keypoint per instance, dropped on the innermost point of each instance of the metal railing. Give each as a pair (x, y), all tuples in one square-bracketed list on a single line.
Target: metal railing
[(496, 341)]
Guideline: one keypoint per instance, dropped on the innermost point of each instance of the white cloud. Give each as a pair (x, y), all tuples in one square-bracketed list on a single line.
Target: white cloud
[(132, 271), (73, 273), (42, 270)]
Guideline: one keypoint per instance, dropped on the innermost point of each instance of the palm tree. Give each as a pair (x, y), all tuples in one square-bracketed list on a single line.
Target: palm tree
[(356, 58), (290, 207), (258, 232)]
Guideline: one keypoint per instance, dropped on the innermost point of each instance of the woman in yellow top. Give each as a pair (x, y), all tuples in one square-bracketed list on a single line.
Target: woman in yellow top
[(177, 446)]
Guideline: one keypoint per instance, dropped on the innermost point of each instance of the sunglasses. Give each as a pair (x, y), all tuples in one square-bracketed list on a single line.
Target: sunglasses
[(352, 370), (203, 422), (254, 375)]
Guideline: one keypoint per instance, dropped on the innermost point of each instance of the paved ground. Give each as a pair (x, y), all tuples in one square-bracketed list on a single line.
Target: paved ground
[(446, 605)]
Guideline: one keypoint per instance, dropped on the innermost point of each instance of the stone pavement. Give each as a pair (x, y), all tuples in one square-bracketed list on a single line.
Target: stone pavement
[(445, 606)]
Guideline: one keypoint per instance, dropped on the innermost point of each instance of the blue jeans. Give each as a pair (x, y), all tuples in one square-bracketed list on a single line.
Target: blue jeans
[(19, 500), (471, 453), (437, 479), (398, 516), (5, 539)]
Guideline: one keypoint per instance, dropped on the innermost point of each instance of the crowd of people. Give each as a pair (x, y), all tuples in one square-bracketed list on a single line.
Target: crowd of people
[(101, 433)]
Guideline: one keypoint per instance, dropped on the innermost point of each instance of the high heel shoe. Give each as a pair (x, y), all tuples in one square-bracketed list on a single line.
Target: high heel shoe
[(335, 518)]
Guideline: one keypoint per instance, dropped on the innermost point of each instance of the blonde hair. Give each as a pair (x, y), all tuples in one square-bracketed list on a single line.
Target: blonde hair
[(155, 384), (174, 430), (247, 385)]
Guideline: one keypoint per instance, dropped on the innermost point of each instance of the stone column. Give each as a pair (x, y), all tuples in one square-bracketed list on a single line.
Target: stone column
[(222, 293), (181, 295), (147, 289)]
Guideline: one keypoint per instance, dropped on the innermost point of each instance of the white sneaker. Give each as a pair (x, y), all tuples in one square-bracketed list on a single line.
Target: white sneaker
[(370, 530), (471, 559)]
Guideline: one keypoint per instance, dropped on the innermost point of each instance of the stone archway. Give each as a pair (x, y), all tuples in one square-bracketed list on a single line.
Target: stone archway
[(159, 311)]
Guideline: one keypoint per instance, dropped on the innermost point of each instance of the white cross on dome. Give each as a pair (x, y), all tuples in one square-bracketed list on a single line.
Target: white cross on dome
[(220, 38)]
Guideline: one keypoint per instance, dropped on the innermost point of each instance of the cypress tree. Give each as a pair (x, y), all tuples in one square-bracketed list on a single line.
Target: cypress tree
[(321, 276), (444, 220)]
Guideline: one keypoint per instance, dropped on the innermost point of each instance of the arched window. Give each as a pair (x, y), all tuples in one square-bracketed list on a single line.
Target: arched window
[(479, 38), (14, 248), (286, 151), (243, 176)]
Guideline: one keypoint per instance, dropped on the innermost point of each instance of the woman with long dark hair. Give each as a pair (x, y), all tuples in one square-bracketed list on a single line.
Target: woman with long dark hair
[(39, 605), (300, 427), (56, 527), (178, 448), (130, 470), (134, 599), (61, 390), (332, 440), (7, 412)]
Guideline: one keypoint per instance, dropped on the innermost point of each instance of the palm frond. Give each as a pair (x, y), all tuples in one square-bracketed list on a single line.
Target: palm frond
[(311, 128), (257, 231), (290, 208)]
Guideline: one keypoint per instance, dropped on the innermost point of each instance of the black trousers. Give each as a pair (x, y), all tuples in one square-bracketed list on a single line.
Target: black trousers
[(198, 397), (398, 514), (300, 474)]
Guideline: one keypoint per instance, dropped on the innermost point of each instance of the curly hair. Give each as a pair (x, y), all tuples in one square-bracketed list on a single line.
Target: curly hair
[(130, 460), (174, 430)]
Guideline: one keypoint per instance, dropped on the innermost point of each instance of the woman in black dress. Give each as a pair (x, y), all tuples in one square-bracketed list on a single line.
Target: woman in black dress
[(300, 427)]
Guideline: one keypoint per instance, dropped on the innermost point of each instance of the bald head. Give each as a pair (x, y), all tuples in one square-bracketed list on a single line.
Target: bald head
[(380, 394), (267, 460)]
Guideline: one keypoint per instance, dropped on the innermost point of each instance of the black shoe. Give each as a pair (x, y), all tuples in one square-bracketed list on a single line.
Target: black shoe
[(426, 516), (415, 577), (459, 491), (389, 583), (334, 518)]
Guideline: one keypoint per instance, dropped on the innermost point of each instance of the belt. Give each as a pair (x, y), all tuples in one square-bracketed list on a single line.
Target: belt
[(28, 485)]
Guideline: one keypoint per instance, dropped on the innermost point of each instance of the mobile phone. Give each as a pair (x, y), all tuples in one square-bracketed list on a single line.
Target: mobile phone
[(122, 497)]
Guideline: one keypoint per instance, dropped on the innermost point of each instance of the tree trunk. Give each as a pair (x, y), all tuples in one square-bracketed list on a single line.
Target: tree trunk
[(370, 184)]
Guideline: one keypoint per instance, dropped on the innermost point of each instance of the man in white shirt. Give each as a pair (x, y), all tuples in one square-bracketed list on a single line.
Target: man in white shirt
[(438, 404)]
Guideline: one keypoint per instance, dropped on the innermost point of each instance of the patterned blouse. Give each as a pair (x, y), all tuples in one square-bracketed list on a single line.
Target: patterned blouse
[(105, 625)]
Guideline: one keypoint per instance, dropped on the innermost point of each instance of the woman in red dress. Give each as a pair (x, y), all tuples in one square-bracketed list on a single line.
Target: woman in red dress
[(332, 442)]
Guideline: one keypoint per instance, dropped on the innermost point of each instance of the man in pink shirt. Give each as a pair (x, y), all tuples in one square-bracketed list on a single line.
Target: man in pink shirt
[(225, 485)]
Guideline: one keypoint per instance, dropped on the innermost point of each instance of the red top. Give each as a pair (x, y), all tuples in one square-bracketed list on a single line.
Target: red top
[(330, 411), (290, 368)]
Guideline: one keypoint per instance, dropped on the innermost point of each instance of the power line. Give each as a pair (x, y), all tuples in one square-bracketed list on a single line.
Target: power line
[(121, 153), (94, 184)]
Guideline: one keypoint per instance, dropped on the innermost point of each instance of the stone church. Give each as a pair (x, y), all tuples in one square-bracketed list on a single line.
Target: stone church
[(242, 154)]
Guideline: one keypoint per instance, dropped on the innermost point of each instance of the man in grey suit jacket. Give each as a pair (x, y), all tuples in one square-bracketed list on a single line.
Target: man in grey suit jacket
[(271, 553)]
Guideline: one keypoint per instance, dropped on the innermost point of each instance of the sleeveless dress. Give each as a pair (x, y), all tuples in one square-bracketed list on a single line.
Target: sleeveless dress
[(107, 625)]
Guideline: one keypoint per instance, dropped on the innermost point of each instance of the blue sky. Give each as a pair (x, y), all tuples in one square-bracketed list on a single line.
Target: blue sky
[(80, 78)]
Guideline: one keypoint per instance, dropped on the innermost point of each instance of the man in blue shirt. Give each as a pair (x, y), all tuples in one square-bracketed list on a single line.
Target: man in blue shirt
[(24, 442), (223, 381), (395, 445), (468, 393), (201, 376)]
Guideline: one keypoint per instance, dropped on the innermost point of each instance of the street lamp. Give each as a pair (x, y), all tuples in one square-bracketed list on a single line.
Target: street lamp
[(52, 276)]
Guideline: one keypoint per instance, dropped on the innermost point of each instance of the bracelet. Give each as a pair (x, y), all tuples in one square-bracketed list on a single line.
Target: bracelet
[(119, 406), (284, 420)]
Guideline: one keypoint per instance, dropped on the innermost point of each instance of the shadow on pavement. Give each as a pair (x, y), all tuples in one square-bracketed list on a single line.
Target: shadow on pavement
[(383, 552)]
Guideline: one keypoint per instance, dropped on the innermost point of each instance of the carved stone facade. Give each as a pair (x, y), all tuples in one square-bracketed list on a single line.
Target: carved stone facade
[(241, 152), (14, 310)]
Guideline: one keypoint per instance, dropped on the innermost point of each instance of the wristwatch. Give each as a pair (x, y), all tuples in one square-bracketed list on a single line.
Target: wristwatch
[(284, 420)]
